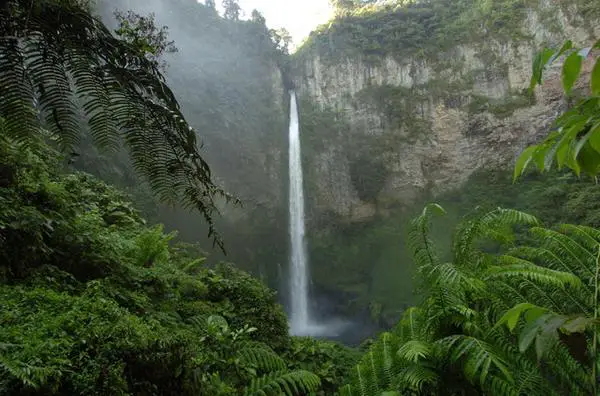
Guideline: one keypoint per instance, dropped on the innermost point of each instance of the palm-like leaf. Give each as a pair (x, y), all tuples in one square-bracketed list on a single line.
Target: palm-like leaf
[(418, 238), (55, 55), (261, 357), (455, 339), (293, 383), (480, 358), (510, 266)]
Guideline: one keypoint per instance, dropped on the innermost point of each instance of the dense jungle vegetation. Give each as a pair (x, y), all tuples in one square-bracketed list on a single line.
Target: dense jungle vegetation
[(97, 299), (428, 28)]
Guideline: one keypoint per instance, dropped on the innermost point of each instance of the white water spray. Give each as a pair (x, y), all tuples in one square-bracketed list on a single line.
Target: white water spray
[(300, 322)]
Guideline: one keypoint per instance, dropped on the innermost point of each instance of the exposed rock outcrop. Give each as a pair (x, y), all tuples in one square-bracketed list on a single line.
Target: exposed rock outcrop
[(432, 122)]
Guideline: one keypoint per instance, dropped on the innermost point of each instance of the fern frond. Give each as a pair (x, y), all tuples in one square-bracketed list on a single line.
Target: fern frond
[(548, 257), (198, 321), (587, 236), (16, 92), (347, 390), (53, 52), (418, 239), (479, 358), (561, 245), (54, 94), (496, 225), (388, 344), (410, 326), (261, 357), (192, 266), (542, 296), (510, 266), (295, 383), (415, 377), (570, 374), (413, 351)]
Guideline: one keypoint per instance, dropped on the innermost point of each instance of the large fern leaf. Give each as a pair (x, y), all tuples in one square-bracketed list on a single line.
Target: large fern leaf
[(495, 225), (422, 247), (581, 261), (295, 383), (56, 56), (510, 266), (260, 357), (479, 358)]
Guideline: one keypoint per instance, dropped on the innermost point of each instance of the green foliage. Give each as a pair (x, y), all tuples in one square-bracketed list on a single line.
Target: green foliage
[(500, 108), (455, 342), (235, 288), (56, 55), (57, 220), (142, 33), (294, 383), (401, 28), (363, 263), (96, 302), (575, 140), (400, 106), (331, 361), (224, 83), (368, 177)]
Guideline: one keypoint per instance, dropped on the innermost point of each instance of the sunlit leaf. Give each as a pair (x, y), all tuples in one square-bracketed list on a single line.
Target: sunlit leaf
[(571, 70), (534, 313), (523, 160), (511, 317), (594, 138), (539, 63), (545, 340), (530, 332), (561, 155), (589, 160), (576, 325), (595, 79), (565, 47)]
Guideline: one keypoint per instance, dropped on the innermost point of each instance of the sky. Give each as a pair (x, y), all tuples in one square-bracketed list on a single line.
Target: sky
[(299, 17)]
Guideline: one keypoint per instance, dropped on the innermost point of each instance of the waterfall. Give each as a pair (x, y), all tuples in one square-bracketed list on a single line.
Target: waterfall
[(300, 321)]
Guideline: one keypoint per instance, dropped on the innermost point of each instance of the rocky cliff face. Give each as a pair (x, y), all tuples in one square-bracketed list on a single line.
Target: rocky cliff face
[(426, 123)]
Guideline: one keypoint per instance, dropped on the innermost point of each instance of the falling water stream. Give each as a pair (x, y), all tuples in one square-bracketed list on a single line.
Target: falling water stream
[(300, 319), (302, 322)]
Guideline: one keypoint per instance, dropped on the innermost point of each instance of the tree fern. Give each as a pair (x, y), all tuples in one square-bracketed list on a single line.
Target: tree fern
[(580, 259), (510, 266), (418, 238), (587, 236), (456, 341), (377, 369), (480, 359), (295, 383), (551, 253), (416, 378), (55, 55), (496, 225), (260, 357)]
